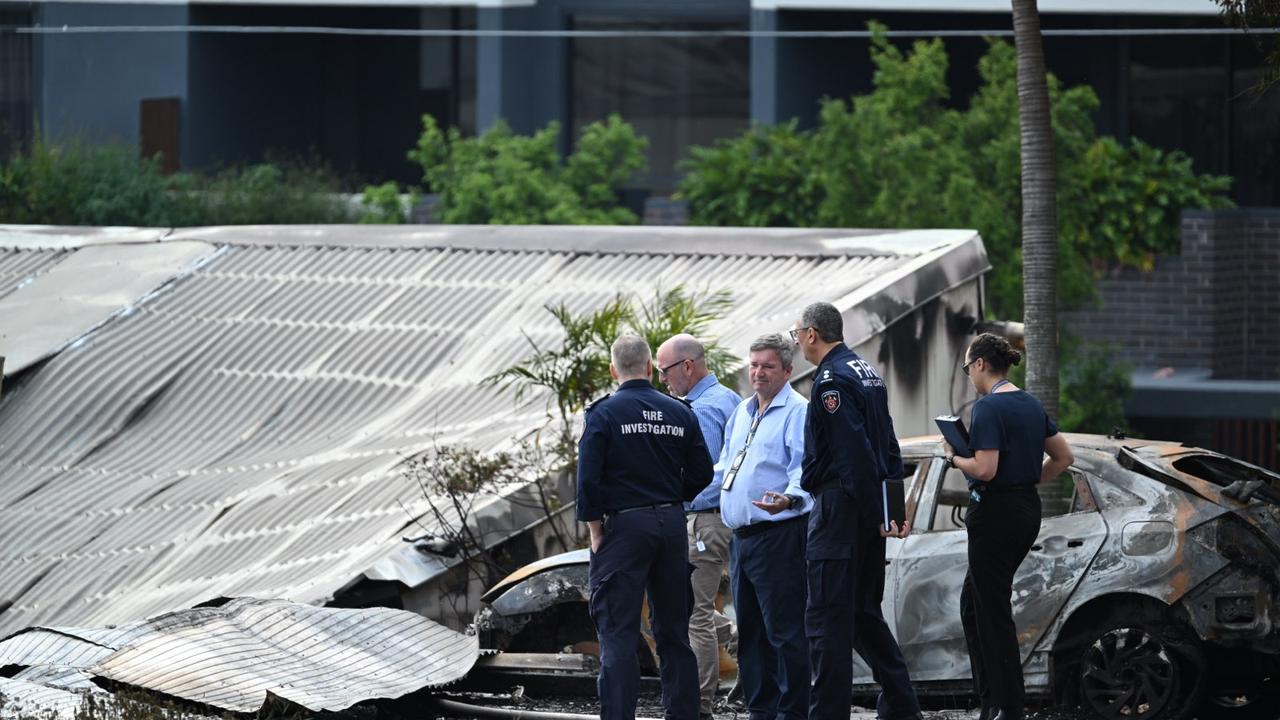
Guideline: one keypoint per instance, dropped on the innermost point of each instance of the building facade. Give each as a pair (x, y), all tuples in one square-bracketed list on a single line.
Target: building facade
[(222, 83)]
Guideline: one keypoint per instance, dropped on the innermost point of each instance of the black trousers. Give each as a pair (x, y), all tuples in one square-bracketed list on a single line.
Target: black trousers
[(768, 571), (1002, 528), (645, 551), (846, 586)]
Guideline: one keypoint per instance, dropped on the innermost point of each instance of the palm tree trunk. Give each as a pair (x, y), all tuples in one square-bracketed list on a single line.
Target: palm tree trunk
[(1039, 209)]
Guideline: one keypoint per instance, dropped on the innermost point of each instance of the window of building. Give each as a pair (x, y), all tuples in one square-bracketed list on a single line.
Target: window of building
[(15, 84), (1255, 130), (677, 92), (1176, 97)]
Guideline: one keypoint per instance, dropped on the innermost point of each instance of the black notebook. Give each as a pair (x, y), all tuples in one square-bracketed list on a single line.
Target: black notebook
[(954, 432), (895, 503)]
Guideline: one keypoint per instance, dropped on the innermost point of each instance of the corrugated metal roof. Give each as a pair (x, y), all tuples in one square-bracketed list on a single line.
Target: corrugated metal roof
[(232, 657), (61, 301), (239, 433)]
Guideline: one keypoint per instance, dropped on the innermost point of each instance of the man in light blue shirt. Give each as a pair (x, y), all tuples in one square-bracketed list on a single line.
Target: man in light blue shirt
[(758, 477), (682, 366)]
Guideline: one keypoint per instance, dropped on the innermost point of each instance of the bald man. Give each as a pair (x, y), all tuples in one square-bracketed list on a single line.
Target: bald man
[(682, 367)]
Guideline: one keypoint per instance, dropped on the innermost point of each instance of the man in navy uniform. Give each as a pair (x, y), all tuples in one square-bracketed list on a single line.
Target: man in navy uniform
[(850, 448), (641, 457)]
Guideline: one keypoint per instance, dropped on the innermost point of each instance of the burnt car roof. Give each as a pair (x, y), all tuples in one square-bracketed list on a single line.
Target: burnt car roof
[(928, 444), (1198, 470)]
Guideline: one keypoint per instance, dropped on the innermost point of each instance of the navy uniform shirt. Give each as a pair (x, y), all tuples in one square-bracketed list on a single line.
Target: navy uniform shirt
[(1015, 424), (849, 439), (639, 447)]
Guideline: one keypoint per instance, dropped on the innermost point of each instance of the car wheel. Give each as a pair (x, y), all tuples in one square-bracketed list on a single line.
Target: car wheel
[(1141, 669)]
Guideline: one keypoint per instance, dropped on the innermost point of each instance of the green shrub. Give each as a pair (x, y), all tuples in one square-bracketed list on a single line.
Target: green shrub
[(899, 157), (384, 206), (81, 184), (504, 178), (765, 178), (265, 194), (76, 184)]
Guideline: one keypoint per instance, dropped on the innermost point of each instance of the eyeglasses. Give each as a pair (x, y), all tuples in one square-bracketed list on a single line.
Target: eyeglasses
[(795, 332), (965, 367), (662, 371)]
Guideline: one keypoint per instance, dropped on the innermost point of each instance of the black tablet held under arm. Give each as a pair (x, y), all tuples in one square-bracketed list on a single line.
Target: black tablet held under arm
[(954, 432), (895, 502)]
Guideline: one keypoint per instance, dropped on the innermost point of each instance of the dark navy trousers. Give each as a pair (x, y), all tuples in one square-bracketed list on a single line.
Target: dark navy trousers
[(644, 551), (846, 586), (768, 573)]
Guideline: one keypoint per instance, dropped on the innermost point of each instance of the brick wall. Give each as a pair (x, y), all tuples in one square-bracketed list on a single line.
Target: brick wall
[(1216, 305)]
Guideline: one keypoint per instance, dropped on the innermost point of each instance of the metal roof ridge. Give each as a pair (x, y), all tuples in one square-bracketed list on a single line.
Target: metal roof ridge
[(591, 239)]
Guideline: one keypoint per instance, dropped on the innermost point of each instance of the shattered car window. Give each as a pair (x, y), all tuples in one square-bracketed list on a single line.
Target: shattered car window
[(1067, 494), (1222, 471), (1239, 480), (1056, 495)]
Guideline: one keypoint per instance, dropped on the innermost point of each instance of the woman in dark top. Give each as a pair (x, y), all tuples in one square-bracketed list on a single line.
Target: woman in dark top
[(1009, 435)]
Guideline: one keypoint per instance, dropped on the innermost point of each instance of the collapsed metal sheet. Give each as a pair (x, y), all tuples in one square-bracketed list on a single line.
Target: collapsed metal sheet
[(234, 656)]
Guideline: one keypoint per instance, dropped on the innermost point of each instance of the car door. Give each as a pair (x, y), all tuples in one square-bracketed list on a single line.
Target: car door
[(914, 472), (932, 563)]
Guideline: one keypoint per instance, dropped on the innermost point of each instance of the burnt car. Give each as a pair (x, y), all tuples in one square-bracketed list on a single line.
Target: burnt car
[(1149, 593)]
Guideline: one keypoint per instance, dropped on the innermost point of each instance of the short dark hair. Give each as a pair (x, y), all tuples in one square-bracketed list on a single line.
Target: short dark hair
[(996, 350), (825, 319), (776, 343)]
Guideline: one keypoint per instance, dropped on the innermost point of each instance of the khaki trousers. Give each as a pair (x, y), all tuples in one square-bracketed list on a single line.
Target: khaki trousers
[(708, 566)]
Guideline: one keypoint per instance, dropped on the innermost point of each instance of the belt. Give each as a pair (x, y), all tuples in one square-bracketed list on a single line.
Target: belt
[(610, 513), (757, 528), (715, 510), (985, 489)]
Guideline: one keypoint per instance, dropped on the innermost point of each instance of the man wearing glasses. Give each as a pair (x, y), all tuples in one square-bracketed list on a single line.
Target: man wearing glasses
[(760, 497), (682, 367), (850, 448)]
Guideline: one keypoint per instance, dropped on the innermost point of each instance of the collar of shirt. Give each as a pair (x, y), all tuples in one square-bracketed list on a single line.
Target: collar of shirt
[(696, 391), (833, 353), (784, 397), (773, 461), (635, 384)]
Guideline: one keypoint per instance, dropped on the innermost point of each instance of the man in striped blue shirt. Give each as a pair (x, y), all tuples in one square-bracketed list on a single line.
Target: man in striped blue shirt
[(758, 478), (682, 366)]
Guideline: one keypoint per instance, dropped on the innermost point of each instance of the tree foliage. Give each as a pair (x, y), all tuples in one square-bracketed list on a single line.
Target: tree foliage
[(899, 156), (576, 372), (1253, 15), (504, 178), (764, 178)]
